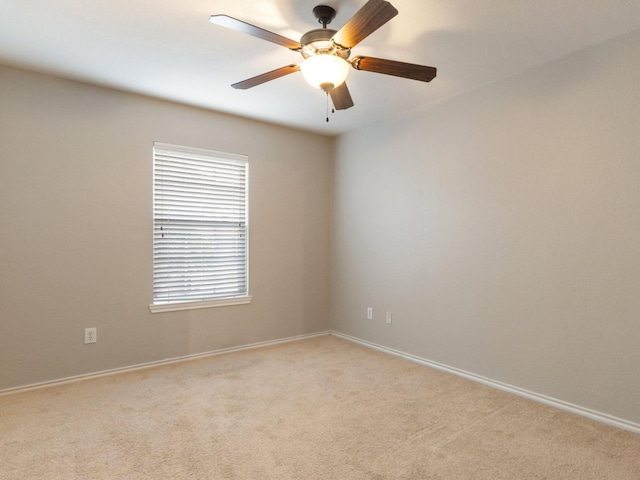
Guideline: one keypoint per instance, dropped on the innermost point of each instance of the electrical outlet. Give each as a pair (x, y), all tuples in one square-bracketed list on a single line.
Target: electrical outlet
[(369, 313), (389, 318), (90, 335)]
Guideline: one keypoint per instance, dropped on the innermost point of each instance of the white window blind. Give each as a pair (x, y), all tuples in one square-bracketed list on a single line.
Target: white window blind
[(200, 231)]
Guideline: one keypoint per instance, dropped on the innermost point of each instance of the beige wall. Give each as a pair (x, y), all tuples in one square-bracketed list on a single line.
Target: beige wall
[(75, 230), (502, 229)]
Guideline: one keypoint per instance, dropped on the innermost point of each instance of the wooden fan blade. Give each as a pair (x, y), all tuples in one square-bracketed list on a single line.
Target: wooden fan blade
[(367, 20), (243, 27), (341, 97), (266, 77), (391, 67)]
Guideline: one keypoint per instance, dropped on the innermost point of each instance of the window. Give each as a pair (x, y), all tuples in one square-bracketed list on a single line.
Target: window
[(200, 231)]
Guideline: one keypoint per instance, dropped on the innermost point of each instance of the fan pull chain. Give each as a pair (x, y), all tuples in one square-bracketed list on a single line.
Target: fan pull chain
[(333, 110), (327, 107)]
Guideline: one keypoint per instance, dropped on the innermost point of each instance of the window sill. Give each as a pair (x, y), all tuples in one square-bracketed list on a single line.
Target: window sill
[(224, 302)]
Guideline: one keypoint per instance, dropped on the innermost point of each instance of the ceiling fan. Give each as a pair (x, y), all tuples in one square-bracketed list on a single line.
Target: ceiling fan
[(326, 52)]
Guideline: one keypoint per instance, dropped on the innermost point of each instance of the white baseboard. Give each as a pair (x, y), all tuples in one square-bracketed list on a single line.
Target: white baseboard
[(521, 392), (167, 361), (552, 402)]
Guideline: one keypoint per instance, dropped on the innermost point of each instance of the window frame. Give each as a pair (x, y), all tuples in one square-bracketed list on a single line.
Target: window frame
[(165, 149)]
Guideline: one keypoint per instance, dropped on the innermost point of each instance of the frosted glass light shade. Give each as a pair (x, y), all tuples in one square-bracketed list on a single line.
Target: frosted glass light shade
[(325, 71)]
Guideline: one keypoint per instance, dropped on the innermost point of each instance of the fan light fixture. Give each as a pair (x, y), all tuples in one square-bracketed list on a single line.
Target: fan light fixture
[(325, 71)]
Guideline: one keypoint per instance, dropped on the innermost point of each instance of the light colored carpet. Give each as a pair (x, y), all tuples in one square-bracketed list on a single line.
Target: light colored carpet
[(322, 408)]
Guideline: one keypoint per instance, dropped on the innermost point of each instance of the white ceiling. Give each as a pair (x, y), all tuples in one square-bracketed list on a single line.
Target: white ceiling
[(168, 49)]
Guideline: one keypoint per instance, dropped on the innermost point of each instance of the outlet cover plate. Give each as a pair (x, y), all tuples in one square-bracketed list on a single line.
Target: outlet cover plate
[(90, 335)]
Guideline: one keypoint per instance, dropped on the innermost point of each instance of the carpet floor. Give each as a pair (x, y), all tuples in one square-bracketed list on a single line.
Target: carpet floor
[(321, 408)]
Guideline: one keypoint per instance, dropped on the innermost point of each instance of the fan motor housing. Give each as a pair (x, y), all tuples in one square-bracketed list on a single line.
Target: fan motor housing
[(318, 42)]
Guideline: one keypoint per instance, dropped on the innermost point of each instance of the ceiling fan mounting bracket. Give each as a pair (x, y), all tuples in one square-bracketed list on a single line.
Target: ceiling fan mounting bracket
[(324, 14)]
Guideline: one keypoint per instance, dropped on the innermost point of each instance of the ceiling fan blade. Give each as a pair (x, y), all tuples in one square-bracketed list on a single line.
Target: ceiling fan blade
[(266, 77), (391, 67), (367, 20), (244, 27), (341, 97)]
